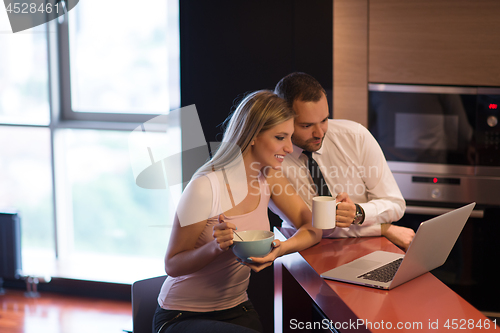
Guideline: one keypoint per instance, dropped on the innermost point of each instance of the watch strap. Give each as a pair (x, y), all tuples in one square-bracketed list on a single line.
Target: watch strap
[(360, 215)]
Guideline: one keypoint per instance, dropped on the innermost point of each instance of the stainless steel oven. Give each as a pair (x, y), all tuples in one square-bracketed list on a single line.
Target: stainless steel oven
[(442, 144)]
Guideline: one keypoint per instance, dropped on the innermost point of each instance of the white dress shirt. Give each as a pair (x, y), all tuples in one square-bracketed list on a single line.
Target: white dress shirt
[(351, 161)]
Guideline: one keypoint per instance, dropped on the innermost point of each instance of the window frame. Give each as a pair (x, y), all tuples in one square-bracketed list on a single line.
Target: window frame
[(62, 116), (67, 117)]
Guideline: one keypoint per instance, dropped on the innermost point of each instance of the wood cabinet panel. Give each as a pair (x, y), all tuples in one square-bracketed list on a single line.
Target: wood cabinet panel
[(350, 53), (452, 42)]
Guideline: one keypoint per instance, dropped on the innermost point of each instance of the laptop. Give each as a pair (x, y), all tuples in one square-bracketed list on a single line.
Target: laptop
[(429, 249)]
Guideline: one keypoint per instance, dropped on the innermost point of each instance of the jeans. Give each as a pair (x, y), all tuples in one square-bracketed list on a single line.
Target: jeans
[(241, 318)]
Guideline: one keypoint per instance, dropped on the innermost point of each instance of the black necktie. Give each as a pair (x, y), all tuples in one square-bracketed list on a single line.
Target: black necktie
[(317, 176)]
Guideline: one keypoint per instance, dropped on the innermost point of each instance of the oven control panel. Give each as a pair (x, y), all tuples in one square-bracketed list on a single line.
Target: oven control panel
[(488, 129), (449, 189)]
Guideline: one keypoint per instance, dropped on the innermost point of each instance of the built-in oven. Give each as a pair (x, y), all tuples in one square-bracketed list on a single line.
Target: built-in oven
[(442, 144)]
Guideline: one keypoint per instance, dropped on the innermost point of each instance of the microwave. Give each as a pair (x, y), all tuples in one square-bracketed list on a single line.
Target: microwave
[(442, 143)]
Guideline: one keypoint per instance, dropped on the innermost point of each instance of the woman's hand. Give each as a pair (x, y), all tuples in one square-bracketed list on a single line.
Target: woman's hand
[(258, 264), (223, 234)]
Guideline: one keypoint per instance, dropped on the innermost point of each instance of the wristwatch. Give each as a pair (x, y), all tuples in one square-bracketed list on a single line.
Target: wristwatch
[(359, 218)]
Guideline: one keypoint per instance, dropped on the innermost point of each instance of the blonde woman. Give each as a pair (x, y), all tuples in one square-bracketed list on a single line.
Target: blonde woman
[(206, 286)]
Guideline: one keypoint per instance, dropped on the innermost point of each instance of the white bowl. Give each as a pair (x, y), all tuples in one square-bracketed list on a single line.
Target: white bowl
[(256, 243)]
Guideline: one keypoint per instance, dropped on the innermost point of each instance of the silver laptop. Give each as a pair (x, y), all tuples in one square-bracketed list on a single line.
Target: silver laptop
[(429, 249)]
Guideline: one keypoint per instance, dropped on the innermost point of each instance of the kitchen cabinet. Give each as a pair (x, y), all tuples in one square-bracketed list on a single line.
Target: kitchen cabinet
[(449, 42), (350, 66)]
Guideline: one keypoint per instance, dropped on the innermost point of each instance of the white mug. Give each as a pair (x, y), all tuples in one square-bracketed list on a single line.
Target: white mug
[(324, 211)]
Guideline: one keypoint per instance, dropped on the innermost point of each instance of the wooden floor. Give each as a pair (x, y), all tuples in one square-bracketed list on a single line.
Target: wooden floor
[(55, 313)]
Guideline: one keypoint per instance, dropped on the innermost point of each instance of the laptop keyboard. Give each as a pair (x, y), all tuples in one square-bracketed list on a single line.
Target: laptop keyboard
[(384, 273)]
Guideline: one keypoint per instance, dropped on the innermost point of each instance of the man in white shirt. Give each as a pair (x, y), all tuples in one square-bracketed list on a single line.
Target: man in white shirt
[(351, 162)]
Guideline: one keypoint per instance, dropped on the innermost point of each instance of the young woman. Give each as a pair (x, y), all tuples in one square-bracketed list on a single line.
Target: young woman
[(206, 286)]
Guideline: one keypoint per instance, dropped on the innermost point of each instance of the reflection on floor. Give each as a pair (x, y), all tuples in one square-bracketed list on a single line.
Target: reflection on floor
[(55, 313), (92, 266)]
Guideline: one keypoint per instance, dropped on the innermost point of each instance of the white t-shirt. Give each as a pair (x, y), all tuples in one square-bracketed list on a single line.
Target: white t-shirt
[(222, 284)]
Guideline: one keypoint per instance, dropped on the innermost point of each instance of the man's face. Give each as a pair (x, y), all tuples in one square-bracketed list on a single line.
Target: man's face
[(310, 124)]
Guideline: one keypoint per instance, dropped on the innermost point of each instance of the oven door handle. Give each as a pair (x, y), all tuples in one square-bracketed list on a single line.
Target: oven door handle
[(421, 210)]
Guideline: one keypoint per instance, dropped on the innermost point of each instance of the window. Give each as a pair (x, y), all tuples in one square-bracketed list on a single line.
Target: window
[(131, 75), (24, 83), (26, 178), (72, 91)]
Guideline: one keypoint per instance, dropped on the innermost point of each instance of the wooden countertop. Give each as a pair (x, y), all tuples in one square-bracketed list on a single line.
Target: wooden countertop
[(424, 303)]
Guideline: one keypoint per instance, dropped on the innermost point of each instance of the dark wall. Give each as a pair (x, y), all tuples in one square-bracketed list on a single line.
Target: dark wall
[(229, 48)]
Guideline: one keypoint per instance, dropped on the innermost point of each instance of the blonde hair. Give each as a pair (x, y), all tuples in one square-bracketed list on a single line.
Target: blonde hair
[(256, 113)]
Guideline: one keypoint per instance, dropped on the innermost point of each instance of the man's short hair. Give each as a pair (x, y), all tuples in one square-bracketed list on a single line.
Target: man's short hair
[(299, 86)]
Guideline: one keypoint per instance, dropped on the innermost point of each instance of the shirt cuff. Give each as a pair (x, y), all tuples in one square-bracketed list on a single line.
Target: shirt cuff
[(370, 214)]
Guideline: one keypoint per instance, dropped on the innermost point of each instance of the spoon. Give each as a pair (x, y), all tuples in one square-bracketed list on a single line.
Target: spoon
[(238, 236), (231, 197)]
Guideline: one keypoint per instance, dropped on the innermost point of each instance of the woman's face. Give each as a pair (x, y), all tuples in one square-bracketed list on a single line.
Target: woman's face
[(270, 147)]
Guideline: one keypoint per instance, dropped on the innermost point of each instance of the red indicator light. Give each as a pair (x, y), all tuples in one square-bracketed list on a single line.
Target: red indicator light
[(493, 106), (435, 180)]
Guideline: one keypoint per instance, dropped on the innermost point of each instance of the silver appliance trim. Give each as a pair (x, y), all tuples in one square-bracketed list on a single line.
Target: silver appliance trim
[(488, 91), (422, 89), (483, 190), (420, 210), (431, 168), (487, 171), (444, 169)]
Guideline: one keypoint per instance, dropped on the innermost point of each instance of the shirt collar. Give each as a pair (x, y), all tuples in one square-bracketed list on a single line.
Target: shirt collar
[(320, 150), (297, 151)]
